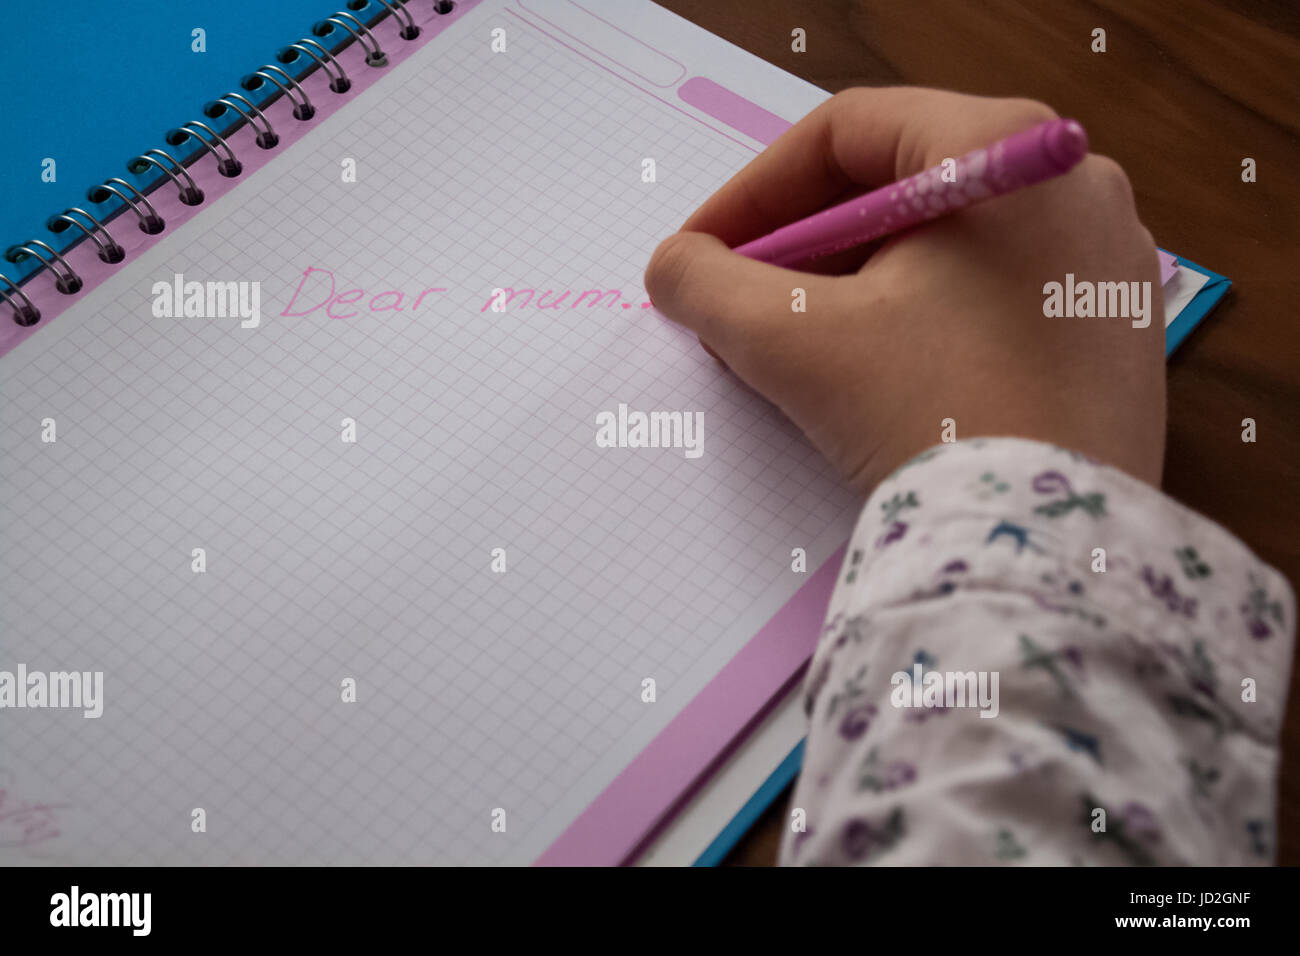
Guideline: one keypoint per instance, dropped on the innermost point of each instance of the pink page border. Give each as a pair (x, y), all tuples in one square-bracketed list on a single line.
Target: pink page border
[(622, 820)]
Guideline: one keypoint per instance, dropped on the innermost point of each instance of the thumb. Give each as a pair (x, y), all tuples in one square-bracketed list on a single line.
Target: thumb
[(729, 301)]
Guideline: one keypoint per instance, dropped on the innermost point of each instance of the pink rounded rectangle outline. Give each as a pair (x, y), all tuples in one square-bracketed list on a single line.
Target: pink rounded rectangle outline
[(522, 5)]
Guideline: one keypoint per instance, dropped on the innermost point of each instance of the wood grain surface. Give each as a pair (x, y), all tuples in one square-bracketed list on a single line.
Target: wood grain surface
[(1186, 90)]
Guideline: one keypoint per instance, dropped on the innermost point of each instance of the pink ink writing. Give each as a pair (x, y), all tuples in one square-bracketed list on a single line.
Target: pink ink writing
[(502, 299), (318, 291), (22, 824)]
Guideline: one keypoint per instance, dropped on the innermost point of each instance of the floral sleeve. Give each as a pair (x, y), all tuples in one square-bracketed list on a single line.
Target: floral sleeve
[(1033, 658)]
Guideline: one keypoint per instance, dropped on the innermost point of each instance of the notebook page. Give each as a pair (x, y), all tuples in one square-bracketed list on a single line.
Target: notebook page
[(1180, 290), (327, 561)]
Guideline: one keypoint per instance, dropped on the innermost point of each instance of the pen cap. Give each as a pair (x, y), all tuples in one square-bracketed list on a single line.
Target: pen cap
[(1066, 142), (1045, 150)]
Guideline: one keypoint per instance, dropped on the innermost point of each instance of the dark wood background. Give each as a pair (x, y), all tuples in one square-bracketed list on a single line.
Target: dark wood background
[(1186, 90)]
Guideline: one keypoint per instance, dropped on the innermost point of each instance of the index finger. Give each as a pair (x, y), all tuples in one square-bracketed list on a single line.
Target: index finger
[(859, 138)]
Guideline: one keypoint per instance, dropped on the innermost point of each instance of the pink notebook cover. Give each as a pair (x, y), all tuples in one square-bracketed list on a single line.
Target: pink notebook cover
[(644, 796)]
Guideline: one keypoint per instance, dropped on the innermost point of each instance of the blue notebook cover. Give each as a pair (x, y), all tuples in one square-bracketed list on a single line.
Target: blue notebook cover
[(91, 84)]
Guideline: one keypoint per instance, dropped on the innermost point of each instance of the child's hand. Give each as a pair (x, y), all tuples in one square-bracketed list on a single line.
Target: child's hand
[(945, 321)]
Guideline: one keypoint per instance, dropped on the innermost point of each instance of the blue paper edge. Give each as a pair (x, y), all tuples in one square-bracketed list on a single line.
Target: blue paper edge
[(1201, 305), (746, 816), (1189, 318)]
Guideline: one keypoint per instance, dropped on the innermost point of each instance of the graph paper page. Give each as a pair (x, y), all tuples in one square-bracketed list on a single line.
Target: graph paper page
[(481, 695)]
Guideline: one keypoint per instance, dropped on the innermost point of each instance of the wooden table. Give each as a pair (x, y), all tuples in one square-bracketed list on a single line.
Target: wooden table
[(1185, 91)]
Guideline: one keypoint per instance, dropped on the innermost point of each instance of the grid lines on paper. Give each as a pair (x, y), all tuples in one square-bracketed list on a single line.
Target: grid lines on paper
[(325, 560)]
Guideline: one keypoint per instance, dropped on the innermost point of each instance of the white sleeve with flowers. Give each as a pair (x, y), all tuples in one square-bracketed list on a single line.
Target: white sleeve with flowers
[(1033, 658)]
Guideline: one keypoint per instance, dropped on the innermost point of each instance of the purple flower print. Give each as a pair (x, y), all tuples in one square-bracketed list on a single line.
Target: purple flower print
[(1162, 588), (861, 838), (1050, 483), (898, 774), (1055, 483), (1256, 627), (895, 533), (1258, 608), (857, 839), (1140, 821), (856, 721)]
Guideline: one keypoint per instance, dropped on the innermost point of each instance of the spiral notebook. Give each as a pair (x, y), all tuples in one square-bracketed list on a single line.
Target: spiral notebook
[(492, 710), (298, 449)]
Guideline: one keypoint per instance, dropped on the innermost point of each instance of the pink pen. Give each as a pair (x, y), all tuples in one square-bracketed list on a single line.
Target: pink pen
[(1039, 153)]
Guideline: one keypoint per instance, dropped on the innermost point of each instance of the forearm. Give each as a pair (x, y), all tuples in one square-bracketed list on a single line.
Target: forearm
[(1124, 715)]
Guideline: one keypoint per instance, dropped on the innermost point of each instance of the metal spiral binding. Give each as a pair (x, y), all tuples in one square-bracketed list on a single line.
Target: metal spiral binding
[(339, 81), (374, 55), (110, 252), (25, 314), (67, 281), (266, 138), (228, 165), (150, 223), (190, 193), (301, 110), (408, 32)]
